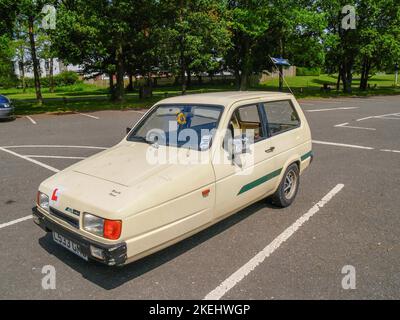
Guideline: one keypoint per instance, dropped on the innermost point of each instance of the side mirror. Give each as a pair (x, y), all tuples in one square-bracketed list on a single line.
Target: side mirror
[(128, 130)]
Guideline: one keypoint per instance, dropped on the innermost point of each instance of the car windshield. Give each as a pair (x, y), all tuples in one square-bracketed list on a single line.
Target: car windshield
[(3, 99), (187, 126)]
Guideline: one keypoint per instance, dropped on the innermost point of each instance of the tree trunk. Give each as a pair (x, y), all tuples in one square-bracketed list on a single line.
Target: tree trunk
[(364, 74), (36, 71), (237, 78), (347, 77), (51, 75), (244, 76), (112, 89), (129, 88), (119, 88), (189, 78), (338, 79), (22, 69), (183, 71)]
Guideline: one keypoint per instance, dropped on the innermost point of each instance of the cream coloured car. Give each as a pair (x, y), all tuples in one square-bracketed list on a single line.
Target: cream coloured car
[(189, 162)]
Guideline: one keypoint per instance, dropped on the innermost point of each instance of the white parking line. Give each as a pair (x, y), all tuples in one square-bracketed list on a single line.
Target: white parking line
[(379, 116), (242, 272), (31, 120), (388, 150), (345, 125), (54, 146), (7, 224), (30, 160), (330, 109), (54, 157), (88, 115), (342, 145), (325, 102)]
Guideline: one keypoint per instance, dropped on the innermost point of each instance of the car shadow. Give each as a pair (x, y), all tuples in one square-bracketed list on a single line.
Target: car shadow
[(112, 277), (8, 119)]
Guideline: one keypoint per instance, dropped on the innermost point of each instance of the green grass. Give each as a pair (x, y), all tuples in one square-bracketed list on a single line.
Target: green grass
[(85, 97)]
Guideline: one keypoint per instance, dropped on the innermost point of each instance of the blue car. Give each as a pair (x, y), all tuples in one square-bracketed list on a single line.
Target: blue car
[(6, 108)]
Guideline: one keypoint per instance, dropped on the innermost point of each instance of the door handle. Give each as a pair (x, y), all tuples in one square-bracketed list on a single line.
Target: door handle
[(270, 150)]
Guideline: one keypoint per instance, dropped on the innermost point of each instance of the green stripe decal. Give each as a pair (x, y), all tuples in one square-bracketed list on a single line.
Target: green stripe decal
[(306, 156), (259, 181)]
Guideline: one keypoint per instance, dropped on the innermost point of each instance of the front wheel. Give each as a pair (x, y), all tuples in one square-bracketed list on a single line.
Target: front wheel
[(287, 190)]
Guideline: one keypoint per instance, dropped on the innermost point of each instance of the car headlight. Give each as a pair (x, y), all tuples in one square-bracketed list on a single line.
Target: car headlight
[(43, 200), (110, 229)]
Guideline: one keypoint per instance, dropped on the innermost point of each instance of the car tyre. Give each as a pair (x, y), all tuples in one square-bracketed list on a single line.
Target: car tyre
[(288, 187)]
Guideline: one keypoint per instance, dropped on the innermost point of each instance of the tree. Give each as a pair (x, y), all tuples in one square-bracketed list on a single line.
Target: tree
[(195, 35), (8, 10), (29, 13), (248, 23), (379, 37)]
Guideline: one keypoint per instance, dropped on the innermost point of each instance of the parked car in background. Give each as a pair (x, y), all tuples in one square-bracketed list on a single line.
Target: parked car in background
[(6, 108)]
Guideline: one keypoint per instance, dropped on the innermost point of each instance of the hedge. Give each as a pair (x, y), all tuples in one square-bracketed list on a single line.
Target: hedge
[(303, 71), (63, 79)]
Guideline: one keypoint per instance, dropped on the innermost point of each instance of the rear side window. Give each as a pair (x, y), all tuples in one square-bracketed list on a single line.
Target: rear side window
[(281, 116)]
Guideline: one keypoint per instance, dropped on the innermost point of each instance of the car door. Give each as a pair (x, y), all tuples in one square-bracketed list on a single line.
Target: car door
[(285, 130), (239, 185)]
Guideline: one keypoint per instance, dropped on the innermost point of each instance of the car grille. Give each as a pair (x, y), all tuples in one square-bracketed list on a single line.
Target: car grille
[(62, 216)]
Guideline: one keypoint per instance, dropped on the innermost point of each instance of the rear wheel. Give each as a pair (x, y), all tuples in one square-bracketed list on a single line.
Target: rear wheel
[(287, 190)]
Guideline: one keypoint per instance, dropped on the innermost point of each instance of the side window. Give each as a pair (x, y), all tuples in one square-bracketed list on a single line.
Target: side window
[(281, 116), (244, 119)]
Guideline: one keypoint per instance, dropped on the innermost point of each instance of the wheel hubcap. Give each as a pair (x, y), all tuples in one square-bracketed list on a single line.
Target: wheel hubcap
[(289, 186)]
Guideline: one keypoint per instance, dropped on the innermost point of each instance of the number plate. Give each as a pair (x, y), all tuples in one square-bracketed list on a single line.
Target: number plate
[(68, 244)]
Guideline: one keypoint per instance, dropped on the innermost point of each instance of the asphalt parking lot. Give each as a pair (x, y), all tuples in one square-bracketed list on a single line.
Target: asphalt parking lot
[(356, 143)]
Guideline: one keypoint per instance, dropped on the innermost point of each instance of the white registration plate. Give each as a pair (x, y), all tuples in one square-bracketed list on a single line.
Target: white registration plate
[(68, 244)]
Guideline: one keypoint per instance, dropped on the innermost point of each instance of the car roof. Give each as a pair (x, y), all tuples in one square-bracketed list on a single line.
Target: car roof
[(224, 98)]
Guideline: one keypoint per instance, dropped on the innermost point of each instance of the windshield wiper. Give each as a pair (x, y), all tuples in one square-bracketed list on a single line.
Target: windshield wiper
[(139, 138)]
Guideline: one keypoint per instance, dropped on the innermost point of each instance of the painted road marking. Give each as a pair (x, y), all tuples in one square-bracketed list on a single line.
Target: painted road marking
[(31, 120), (379, 116), (330, 109), (342, 145), (322, 101), (54, 146), (88, 115), (245, 270), (388, 150), (7, 224), (30, 160), (345, 125), (54, 157)]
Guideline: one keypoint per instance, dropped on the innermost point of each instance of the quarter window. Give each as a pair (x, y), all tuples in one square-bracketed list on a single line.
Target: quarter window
[(281, 116)]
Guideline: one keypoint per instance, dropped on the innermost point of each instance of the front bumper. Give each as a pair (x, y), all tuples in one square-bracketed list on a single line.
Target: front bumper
[(114, 255), (7, 113)]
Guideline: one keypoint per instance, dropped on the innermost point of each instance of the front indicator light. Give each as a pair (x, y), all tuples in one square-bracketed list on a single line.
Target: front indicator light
[(112, 229), (109, 229)]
